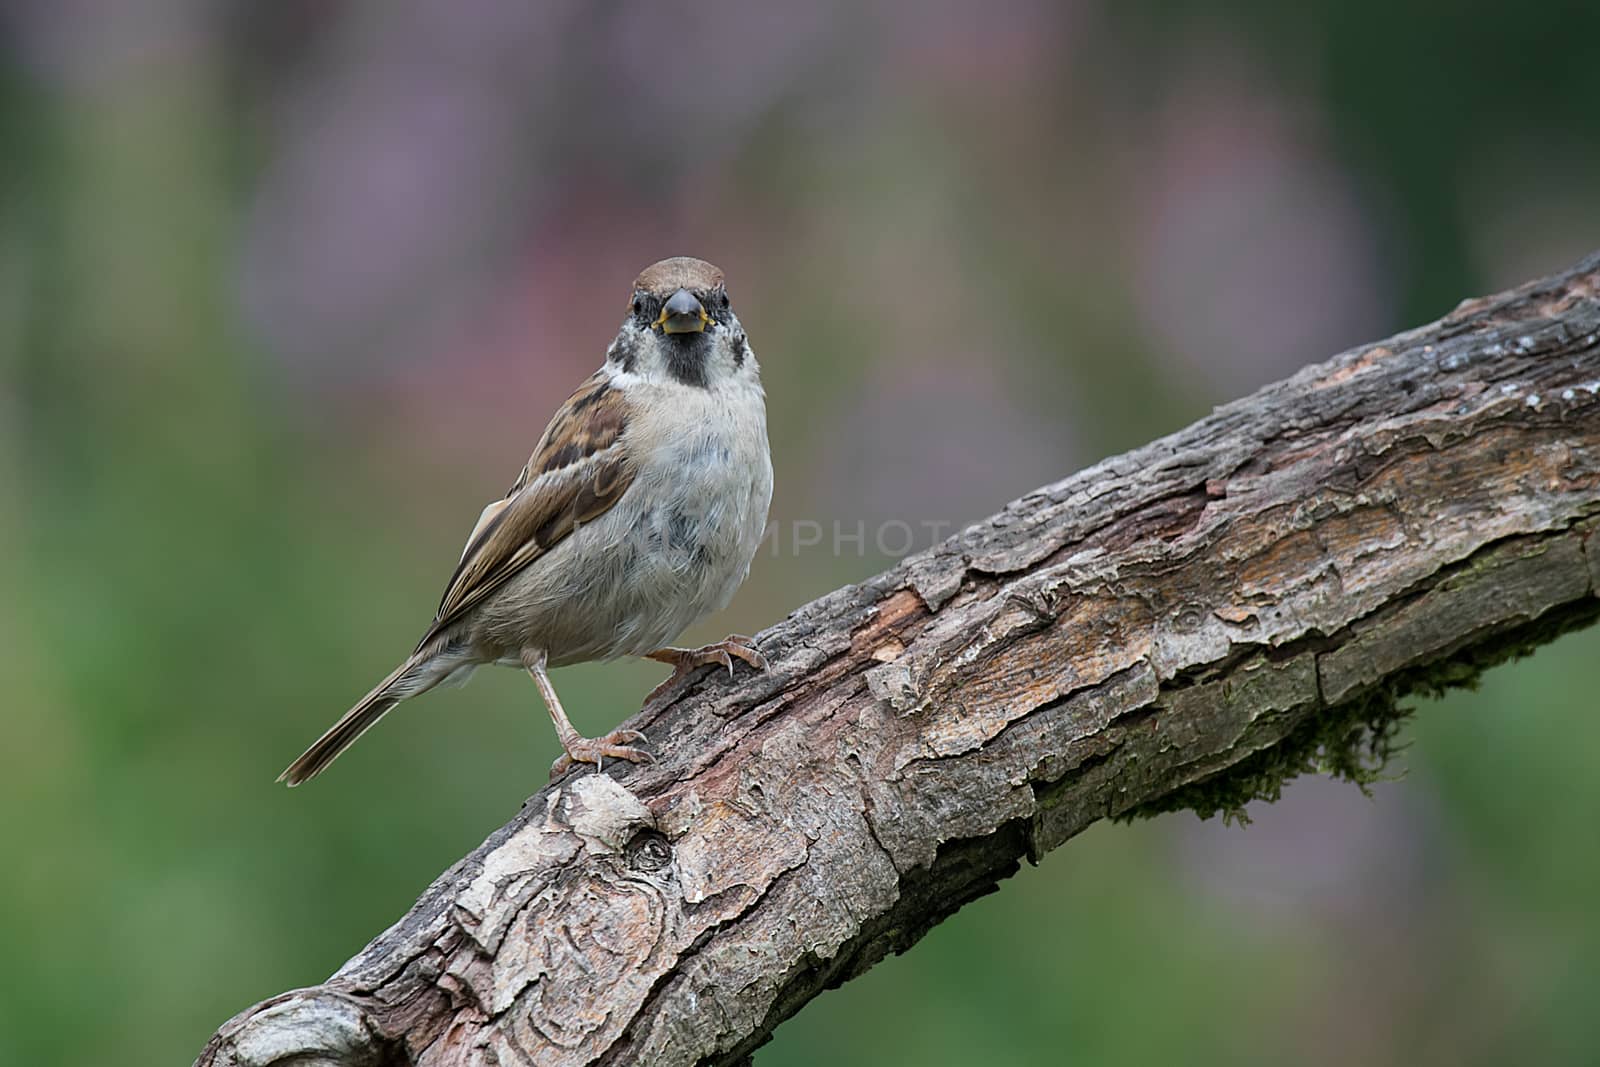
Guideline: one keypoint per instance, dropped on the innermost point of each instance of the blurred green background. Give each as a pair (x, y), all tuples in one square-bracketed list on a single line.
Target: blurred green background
[(287, 291)]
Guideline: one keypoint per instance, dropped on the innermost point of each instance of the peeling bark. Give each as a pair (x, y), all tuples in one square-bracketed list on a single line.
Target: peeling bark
[(1168, 617)]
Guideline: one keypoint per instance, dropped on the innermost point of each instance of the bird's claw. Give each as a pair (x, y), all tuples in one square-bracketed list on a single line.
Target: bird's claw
[(745, 648), (595, 749), (722, 654)]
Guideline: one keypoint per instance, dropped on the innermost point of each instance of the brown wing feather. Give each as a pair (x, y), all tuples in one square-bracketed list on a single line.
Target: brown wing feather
[(578, 471)]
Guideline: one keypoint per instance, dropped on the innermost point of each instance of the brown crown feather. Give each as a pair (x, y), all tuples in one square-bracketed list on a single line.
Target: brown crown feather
[(679, 272)]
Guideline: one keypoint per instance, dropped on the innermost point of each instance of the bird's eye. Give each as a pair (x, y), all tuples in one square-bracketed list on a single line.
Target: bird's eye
[(638, 305)]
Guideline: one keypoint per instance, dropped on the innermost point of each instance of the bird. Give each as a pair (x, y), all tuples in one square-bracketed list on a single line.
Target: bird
[(638, 513)]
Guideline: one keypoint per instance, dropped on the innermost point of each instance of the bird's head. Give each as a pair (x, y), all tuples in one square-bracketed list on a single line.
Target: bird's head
[(680, 326)]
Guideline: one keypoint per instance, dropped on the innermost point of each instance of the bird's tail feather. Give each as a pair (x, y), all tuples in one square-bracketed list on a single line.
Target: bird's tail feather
[(407, 680)]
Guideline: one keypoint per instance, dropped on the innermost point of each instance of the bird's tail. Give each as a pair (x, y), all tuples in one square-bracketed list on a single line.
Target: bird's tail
[(407, 680)]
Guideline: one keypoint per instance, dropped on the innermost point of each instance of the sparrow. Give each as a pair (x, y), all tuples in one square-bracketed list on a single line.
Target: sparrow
[(638, 513)]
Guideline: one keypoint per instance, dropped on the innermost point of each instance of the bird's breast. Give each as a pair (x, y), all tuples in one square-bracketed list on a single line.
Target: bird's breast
[(677, 544)]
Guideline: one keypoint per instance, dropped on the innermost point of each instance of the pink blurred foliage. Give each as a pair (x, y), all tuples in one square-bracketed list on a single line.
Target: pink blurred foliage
[(1254, 251)]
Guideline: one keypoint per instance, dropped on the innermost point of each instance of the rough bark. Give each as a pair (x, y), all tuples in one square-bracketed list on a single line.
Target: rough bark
[(1184, 624)]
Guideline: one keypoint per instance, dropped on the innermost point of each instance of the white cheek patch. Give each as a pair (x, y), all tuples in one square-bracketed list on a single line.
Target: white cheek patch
[(623, 379)]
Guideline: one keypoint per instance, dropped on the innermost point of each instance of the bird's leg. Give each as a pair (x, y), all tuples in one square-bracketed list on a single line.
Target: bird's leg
[(580, 749), (723, 653)]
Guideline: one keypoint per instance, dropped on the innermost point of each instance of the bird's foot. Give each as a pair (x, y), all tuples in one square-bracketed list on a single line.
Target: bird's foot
[(721, 654), (595, 750)]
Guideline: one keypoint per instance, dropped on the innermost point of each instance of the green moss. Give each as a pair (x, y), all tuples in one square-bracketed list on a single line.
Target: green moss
[(1357, 739), (1354, 742)]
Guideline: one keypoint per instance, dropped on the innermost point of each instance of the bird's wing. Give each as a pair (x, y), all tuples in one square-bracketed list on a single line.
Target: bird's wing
[(579, 470)]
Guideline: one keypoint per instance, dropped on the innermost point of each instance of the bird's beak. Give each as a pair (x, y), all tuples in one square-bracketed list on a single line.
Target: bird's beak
[(682, 313)]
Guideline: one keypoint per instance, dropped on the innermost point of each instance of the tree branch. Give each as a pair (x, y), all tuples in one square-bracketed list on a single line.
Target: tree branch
[(1184, 625)]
